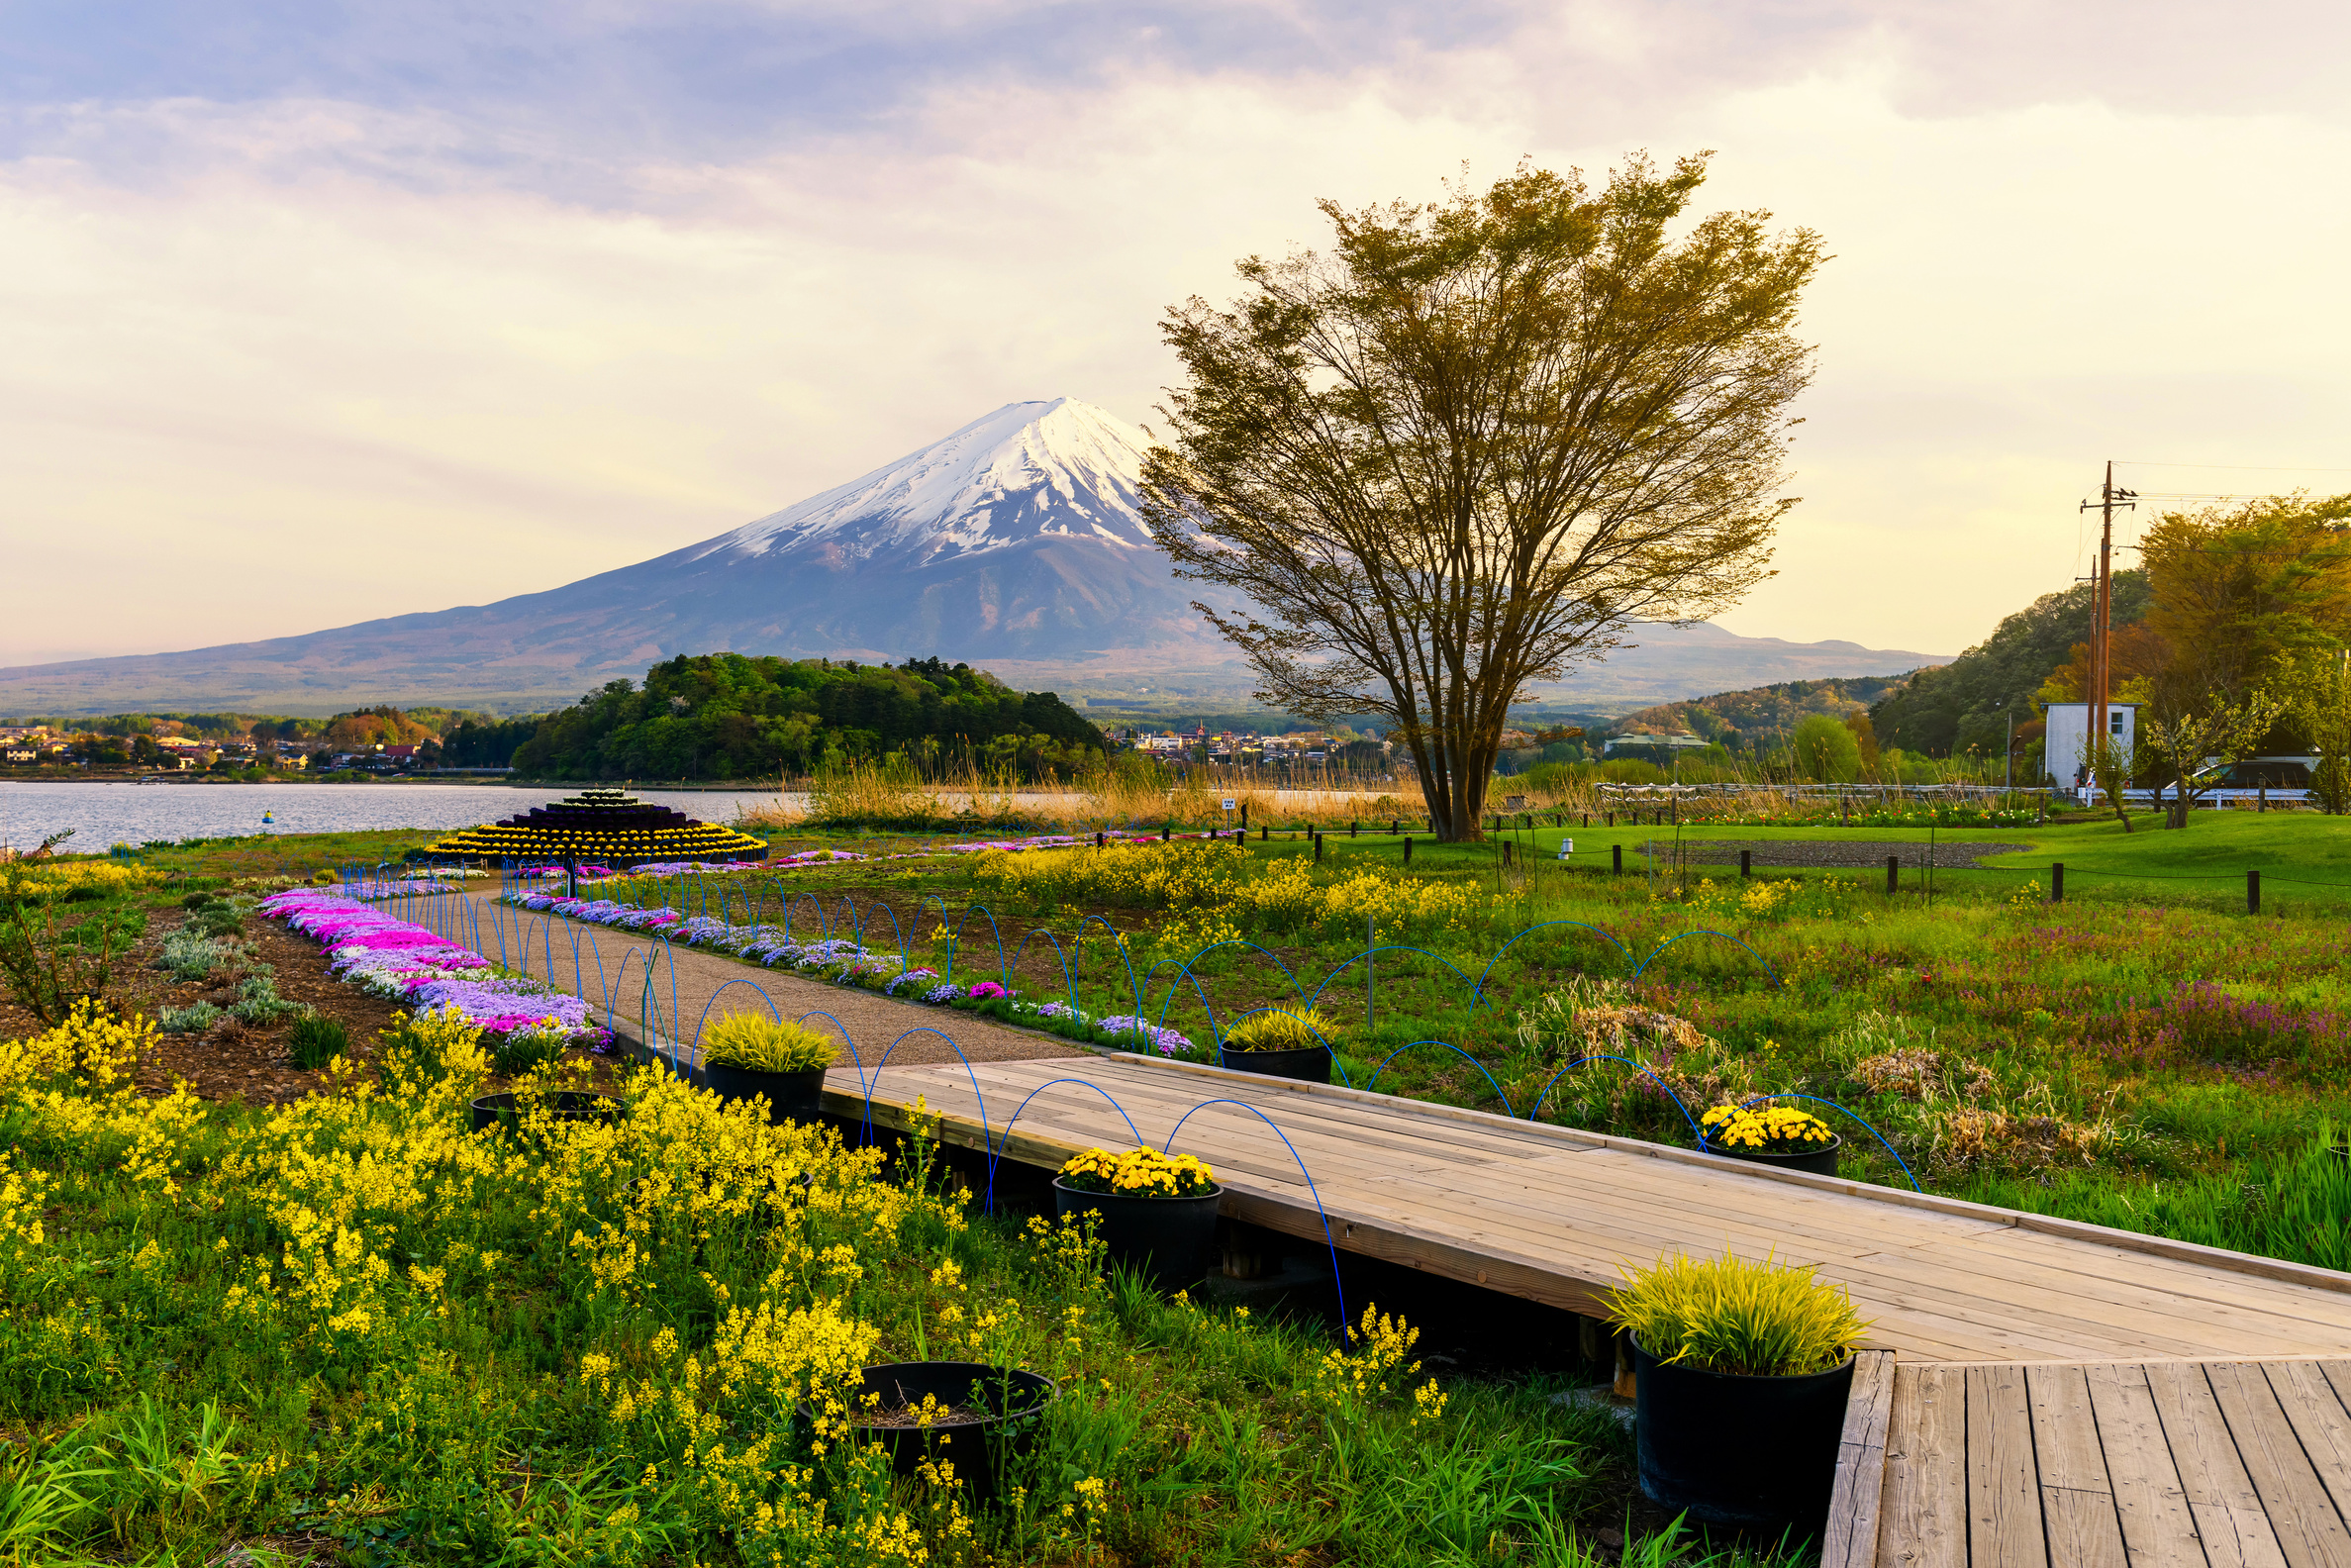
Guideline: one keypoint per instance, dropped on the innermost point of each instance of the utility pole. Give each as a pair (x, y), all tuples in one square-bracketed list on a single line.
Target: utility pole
[(2103, 605)]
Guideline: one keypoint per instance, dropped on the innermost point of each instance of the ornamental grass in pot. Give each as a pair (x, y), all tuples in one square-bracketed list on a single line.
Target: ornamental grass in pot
[(1282, 1042), (1155, 1213), (749, 1057), (1780, 1137), (1740, 1371)]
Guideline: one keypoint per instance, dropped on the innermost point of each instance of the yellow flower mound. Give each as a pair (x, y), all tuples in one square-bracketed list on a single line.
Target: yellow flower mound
[(1138, 1173), (53, 877), (1773, 1128), (1254, 892)]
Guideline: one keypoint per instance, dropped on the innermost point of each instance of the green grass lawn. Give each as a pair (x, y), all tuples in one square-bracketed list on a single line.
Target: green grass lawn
[(2145, 1032)]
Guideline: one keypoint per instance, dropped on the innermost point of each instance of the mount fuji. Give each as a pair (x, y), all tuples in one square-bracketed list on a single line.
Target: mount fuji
[(1016, 542), (1016, 539)]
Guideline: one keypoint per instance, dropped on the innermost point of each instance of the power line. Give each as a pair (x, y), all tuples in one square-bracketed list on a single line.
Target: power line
[(2228, 467)]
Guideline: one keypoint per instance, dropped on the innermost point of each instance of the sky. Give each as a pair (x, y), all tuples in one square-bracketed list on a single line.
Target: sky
[(314, 313)]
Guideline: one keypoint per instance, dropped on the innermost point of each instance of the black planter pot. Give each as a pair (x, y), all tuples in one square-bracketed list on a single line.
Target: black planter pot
[(792, 1096), (1309, 1065), (1171, 1239), (1753, 1454), (979, 1446), (1819, 1160), (568, 1105)]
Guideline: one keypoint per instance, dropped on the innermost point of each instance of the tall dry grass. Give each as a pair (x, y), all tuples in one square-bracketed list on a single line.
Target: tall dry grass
[(869, 796)]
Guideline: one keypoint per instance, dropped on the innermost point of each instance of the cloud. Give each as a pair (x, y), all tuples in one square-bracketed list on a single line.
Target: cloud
[(391, 312)]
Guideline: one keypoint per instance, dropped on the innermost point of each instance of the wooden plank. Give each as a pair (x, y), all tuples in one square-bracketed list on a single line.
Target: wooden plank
[(2075, 1265), (2078, 1509), (1925, 1523), (1939, 1321), (2158, 1527), (1849, 1540), (1558, 1229), (2311, 1394), (2004, 1494), (2228, 1514), (2128, 1241), (2133, 1324), (2309, 1529)]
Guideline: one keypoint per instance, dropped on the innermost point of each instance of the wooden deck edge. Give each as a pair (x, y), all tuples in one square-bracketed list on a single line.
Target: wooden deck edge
[(2016, 1218), (1381, 1239), (1849, 1540)]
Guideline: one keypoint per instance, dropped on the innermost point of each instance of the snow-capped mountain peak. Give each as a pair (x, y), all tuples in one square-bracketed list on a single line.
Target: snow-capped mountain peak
[(1025, 472)]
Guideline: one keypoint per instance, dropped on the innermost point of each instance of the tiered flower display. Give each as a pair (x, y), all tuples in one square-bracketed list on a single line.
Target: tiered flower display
[(605, 825)]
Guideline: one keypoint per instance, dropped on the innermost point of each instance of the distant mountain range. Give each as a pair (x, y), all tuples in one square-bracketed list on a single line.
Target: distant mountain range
[(1016, 542)]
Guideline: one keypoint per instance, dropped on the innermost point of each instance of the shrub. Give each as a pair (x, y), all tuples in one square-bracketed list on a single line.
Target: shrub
[(1825, 750), (751, 1043), (193, 1019), (46, 967), (1277, 1028), (258, 1001), (1731, 1315), (314, 1041), (191, 955)]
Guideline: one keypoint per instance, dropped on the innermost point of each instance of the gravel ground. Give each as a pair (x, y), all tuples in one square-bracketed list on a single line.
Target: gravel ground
[(1847, 853)]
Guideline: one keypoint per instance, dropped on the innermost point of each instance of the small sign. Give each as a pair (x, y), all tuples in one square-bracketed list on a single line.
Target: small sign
[(1514, 803), (1230, 804)]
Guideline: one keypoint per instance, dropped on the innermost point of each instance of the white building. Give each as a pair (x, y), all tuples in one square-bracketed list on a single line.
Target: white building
[(2068, 738)]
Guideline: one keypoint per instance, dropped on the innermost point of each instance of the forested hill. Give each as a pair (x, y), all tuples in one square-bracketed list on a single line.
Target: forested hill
[(1762, 718), (1965, 704), (728, 716)]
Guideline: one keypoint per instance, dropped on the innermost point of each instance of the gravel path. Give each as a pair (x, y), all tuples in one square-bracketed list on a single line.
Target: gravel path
[(1847, 853), (873, 1022)]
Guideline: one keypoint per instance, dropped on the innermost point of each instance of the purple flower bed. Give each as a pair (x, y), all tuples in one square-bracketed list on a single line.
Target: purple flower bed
[(842, 960), (423, 970), (2210, 1022)]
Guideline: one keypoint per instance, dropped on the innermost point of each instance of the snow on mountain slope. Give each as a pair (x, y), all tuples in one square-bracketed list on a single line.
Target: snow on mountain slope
[(1027, 471)]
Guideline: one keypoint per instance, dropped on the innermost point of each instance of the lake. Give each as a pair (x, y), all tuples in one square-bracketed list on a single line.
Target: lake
[(102, 815)]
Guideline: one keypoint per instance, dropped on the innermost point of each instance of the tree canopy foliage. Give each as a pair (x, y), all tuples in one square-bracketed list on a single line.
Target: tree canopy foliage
[(1476, 441), (1957, 707), (732, 716)]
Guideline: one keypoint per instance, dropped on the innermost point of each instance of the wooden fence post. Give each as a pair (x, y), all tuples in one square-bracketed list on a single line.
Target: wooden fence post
[(2252, 892), (1892, 872), (1744, 867), (1617, 853), (2057, 881)]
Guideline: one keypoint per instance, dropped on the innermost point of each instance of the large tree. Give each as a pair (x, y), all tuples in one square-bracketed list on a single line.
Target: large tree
[(1476, 442)]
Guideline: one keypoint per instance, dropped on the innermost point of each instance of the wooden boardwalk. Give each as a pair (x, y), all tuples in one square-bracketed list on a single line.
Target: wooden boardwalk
[(2045, 1395), (1550, 1213), (2116, 1464)]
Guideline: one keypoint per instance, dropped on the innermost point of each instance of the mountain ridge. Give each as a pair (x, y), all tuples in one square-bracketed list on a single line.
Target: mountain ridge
[(1016, 542)]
